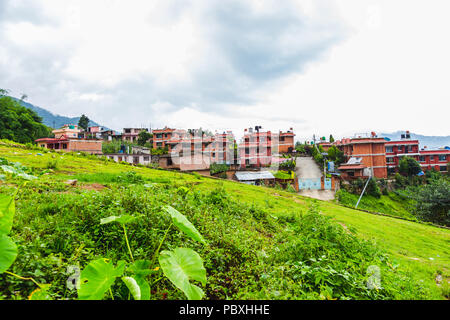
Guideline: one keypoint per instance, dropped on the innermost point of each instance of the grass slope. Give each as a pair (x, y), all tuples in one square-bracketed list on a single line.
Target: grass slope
[(420, 249)]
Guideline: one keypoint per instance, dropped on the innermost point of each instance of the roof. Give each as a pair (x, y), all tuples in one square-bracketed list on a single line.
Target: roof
[(50, 140), (253, 175), (352, 167), (440, 151), (401, 142)]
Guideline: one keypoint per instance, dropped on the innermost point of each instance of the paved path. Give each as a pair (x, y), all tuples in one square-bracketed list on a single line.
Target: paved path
[(307, 168)]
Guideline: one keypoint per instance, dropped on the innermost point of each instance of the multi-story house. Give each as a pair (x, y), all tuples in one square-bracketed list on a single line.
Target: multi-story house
[(132, 134), (407, 147), (396, 149), (161, 137), (434, 159), (365, 155), (67, 139)]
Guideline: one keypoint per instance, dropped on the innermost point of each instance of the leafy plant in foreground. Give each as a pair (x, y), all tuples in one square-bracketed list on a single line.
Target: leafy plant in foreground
[(180, 266)]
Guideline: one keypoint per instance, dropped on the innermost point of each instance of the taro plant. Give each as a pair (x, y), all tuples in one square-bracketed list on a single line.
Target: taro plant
[(180, 266), (8, 248)]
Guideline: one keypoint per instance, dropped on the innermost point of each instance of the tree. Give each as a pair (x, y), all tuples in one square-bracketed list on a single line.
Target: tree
[(433, 202), (331, 138), (143, 137), (409, 166), (19, 123), (336, 155), (83, 122)]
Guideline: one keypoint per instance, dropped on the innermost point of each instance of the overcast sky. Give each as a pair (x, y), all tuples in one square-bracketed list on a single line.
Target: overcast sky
[(320, 67)]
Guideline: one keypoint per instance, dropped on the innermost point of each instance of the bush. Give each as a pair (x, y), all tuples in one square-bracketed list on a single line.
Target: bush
[(433, 203)]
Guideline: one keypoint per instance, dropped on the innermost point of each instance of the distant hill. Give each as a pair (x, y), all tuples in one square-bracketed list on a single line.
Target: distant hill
[(52, 120), (432, 142)]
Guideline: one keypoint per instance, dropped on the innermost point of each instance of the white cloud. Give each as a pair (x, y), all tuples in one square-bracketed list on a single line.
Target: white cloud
[(232, 65)]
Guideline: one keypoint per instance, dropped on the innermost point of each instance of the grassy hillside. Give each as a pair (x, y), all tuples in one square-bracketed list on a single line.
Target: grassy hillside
[(262, 243), (390, 204)]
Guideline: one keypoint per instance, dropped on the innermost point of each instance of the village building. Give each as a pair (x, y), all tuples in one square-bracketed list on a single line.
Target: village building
[(67, 139), (407, 147), (434, 159), (365, 156), (256, 177), (135, 159), (260, 149), (161, 137), (286, 141), (132, 134)]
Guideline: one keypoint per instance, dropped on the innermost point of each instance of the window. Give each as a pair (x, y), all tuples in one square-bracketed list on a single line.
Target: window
[(390, 160), (389, 149), (247, 150), (442, 157), (410, 148), (442, 168), (351, 173), (400, 149), (422, 158), (64, 146), (158, 136), (431, 158), (146, 158), (127, 130)]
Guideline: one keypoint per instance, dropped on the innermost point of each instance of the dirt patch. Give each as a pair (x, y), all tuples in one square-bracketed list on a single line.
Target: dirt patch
[(92, 186)]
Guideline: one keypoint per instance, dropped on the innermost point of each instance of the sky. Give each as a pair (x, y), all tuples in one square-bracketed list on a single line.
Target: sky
[(318, 66)]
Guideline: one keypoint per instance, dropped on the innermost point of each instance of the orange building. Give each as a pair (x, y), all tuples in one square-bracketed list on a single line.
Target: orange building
[(366, 156), (286, 141), (67, 139), (161, 137)]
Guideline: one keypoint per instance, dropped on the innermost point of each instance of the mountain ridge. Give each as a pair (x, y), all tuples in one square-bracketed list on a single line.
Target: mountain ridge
[(53, 120)]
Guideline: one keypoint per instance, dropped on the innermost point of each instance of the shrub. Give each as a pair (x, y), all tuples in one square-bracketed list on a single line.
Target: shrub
[(433, 203)]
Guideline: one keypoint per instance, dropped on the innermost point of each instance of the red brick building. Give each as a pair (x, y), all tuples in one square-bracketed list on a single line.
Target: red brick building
[(67, 139), (365, 156), (395, 150), (406, 147), (437, 159), (260, 148)]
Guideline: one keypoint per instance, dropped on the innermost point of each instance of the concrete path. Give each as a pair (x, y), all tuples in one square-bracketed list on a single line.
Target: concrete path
[(307, 168)]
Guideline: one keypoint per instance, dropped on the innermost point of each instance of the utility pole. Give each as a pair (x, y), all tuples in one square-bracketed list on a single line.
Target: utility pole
[(362, 193)]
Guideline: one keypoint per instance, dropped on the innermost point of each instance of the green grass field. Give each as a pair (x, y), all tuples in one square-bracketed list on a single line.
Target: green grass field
[(420, 250)]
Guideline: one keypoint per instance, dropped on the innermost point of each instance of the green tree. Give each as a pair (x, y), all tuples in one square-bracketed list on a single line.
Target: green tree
[(331, 138), (409, 166), (433, 202), (19, 123), (336, 155), (143, 137), (83, 122)]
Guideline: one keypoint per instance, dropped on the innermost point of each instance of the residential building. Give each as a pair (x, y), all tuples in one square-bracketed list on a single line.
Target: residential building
[(286, 141), (67, 139), (161, 137), (434, 159), (68, 131), (368, 153), (255, 149), (132, 134), (143, 159), (396, 149)]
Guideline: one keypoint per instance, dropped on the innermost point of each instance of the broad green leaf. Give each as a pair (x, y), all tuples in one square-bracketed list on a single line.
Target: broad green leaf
[(182, 265), (97, 278), (133, 286), (7, 210), (145, 287), (8, 252), (184, 224), (40, 293), (123, 219), (141, 267)]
